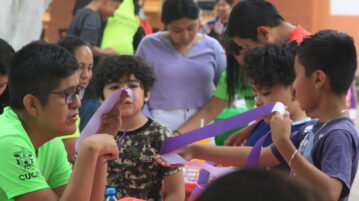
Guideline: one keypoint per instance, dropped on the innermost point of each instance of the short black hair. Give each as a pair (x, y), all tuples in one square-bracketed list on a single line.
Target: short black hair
[(6, 54), (271, 64), (230, 2), (247, 16), (258, 184), (332, 52), (113, 68), (71, 43), (38, 68), (173, 10)]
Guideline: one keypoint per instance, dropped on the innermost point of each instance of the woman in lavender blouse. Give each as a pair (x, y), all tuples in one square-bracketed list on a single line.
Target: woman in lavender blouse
[(187, 64)]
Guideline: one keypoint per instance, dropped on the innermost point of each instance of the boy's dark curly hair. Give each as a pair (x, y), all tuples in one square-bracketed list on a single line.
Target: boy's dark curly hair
[(113, 68), (270, 65)]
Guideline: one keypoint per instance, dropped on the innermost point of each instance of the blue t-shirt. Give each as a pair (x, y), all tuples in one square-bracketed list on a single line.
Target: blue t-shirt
[(333, 150), (261, 128)]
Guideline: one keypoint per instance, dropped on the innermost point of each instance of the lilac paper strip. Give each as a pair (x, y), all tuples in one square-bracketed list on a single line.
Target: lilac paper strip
[(254, 155), (94, 123), (213, 130), (219, 127), (215, 171)]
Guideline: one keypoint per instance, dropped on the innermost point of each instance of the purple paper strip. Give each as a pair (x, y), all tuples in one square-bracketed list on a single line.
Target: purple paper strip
[(94, 123), (202, 182), (254, 155), (219, 127)]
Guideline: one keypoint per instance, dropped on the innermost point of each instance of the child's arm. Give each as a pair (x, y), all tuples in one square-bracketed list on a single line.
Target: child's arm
[(83, 176), (175, 188), (89, 173), (225, 155), (99, 183), (329, 187)]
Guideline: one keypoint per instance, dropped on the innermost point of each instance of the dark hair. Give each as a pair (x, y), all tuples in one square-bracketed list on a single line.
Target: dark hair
[(270, 64), (6, 54), (235, 77), (173, 10), (71, 43), (332, 52), (230, 2), (247, 16), (113, 68), (37, 69), (257, 184)]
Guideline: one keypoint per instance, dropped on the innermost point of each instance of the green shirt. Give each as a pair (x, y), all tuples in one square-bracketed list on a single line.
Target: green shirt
[(244, 90), (121, 28), (23, 169)]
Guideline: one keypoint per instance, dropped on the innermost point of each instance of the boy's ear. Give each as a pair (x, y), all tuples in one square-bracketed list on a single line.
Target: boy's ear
[(147, 97), (263, 34), (31, 104), (320, 78), (292, 92)]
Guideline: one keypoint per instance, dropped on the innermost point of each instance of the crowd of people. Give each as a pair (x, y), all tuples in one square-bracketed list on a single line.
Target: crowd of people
[(181, 79)]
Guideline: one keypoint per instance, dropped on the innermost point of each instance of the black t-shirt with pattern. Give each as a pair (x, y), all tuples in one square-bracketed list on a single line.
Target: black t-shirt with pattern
[(136, 173)]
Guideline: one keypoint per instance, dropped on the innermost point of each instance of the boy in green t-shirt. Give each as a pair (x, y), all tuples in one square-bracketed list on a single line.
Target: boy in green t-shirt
[(267, 26), (44, 101)]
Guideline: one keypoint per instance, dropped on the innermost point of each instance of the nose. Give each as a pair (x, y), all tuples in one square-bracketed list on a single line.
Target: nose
[(76, 103), (258, 101), (185, 36), (85, 75)]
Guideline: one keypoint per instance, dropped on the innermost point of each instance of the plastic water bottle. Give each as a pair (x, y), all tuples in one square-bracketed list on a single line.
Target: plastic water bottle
[(110, 194)]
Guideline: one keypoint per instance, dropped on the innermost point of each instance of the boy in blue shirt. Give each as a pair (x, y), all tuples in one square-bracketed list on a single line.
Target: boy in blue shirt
[(324, 153), (270, 68)]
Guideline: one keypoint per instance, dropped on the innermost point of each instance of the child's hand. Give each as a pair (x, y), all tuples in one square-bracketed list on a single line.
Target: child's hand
[(186, 152), (111, 121), (280, 127), (102, 145), (162, 162), (237, 139)]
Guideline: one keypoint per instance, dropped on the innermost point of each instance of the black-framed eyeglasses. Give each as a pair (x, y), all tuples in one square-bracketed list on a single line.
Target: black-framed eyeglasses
[(70, 95)]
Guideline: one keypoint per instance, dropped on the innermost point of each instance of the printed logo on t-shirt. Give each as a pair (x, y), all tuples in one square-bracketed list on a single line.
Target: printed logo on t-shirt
[(25, 160)]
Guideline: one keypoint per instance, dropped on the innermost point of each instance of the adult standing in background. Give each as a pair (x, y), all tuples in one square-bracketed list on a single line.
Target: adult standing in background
[(216, 26), (186, 64)]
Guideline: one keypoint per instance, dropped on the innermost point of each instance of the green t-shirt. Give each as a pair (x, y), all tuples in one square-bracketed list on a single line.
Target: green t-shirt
[(244, 90), (23, 169), (120, 29)]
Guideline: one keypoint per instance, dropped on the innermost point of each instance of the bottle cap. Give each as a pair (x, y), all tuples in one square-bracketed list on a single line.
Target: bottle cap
[(110, 191)]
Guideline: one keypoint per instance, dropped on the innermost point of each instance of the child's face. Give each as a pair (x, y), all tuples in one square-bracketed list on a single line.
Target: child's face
[(3, 83), (126, 103), (276, 93), (304, 87), (84, 57)]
